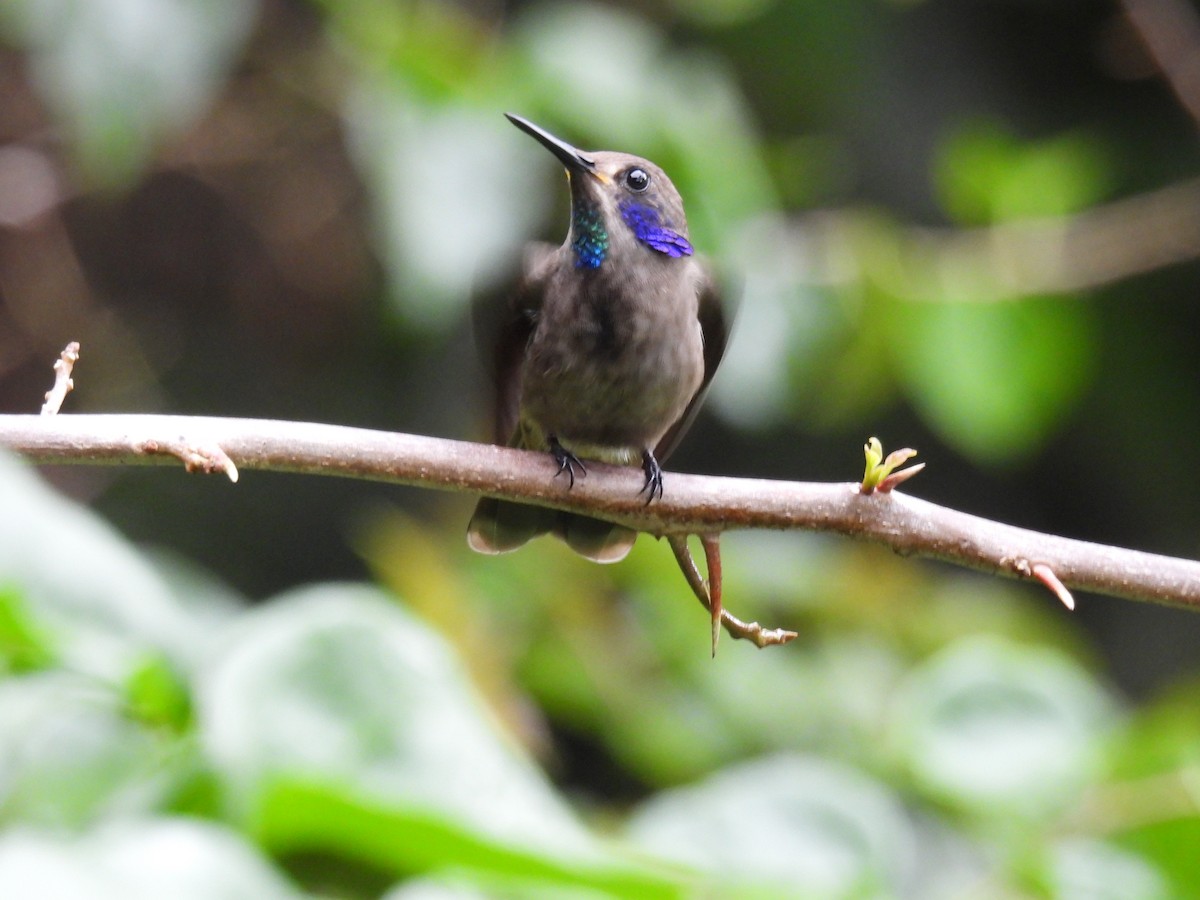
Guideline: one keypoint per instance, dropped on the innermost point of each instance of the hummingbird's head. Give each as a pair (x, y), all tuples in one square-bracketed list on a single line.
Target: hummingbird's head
[(620, 204)]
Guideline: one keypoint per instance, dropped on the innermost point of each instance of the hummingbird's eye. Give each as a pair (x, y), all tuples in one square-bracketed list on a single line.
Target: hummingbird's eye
[(637, 180)]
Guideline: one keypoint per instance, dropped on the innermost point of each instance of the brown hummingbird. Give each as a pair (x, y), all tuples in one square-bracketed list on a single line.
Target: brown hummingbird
[(605, 346)]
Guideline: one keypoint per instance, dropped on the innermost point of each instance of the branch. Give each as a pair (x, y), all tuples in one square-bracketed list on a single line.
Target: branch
[(693, 504), (1056, 254), (1170, 29)]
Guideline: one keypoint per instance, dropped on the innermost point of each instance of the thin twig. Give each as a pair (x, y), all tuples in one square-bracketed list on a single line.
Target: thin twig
[(692, 504), (750, 631), (62, 379)]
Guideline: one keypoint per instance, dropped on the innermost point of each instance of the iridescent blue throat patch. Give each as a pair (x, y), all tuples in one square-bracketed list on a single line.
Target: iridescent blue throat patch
[(591, 239), (649, 228)]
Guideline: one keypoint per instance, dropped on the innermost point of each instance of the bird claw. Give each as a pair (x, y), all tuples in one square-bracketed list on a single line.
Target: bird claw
[(653, 488), (567, 462)]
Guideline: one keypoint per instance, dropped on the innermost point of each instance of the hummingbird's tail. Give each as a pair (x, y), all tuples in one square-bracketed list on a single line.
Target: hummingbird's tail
[(599, 541), (499, 526)]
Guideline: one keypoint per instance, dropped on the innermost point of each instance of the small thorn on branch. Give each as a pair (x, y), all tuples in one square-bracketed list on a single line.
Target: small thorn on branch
[(195, 458), (62, 379), (737, 629), (1046, 576)]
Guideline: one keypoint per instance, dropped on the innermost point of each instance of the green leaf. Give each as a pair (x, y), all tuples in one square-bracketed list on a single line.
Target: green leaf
[(1163, 736), (787, 823), (1001, 729), (1096, 870), (69, 754), (98, 600), (994, 378), (157, 696), (302, 816), (24, 644), (469, 886), (1169, 843), (1149, 798), (340, 723), (176, 858), (986, 175)]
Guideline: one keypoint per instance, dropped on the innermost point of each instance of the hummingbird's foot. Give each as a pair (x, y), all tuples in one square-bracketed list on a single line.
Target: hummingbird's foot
[(653, 488), (567, 462)]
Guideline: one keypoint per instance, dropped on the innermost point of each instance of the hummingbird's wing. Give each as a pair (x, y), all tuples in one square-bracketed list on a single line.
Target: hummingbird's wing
[(716, 319), (503, 321)]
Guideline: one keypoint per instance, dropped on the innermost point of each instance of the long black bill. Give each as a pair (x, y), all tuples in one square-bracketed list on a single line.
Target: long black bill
[(568, 155)]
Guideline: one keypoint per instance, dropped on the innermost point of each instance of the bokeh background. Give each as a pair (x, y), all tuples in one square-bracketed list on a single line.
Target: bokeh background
[(966, 226)]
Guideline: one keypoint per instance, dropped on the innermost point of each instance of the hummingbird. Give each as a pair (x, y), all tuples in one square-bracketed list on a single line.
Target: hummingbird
[(604, 348)]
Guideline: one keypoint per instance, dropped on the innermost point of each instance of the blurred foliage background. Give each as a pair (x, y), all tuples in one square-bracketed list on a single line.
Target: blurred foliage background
[(967, 227)]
